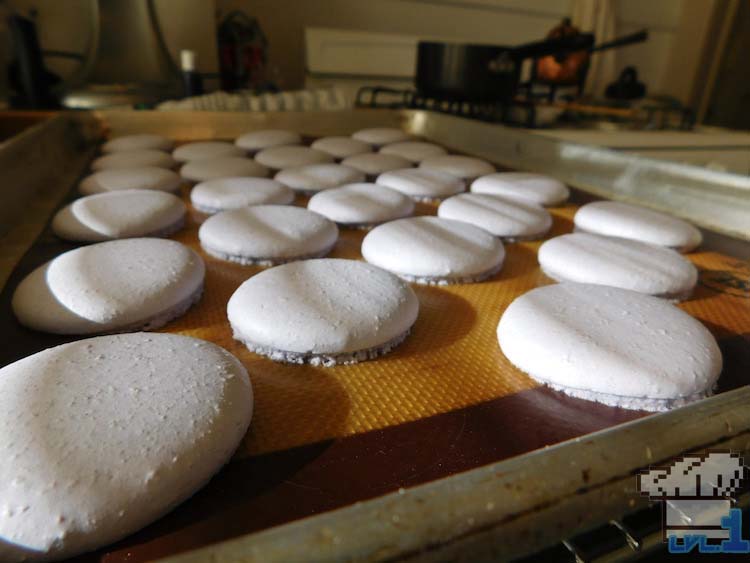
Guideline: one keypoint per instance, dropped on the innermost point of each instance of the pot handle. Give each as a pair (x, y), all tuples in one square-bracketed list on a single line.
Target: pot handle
[(557, 46), (637, 37)]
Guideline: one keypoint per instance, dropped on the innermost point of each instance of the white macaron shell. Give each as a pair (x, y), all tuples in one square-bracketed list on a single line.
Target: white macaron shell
[(379, 136), (610, 344), (279, 158), (422, 184), (373, 164), (103, 436), (431, 247), (108, 286), (267, 232), (325, 306), (318, 177), (414, 151), (221, 194), (134, 159), (145, 141), (361, 204), (341, 147), (119, 214), (505, 218), (206, 149), (524, 186), (139, 178), (465, 167), (617, 219), (222, 167), (626, 263), (267, 138)]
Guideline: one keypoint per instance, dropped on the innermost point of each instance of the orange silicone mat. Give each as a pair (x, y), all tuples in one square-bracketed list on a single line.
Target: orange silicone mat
[(450, 360)]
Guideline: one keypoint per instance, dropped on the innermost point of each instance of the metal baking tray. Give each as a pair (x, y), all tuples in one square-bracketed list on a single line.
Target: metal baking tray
[(484, 481)]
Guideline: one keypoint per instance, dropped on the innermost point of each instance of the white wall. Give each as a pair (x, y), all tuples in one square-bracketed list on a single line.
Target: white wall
[(662, 18), (507, 22)]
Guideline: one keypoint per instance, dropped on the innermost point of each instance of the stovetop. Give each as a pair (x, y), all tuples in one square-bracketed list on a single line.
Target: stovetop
[(537, 108), (384, 97)]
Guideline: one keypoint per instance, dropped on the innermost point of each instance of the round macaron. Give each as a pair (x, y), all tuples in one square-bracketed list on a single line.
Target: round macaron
[(434, 251), (115, 286), (314, 178), (280, 158), (144, 178), (323, 312), (421, 184), (523, 186), (341, 147), (511, 220), (464, 167), (618, 262), (379, 136), (610, 345), (222, 167), (374, 164), (222, 194), (206, 149), (267, 235), (120, 214), (361, 205), (414, 151), (105, 435), (134, 159), (144, 141), (265, 139), (616, 219)]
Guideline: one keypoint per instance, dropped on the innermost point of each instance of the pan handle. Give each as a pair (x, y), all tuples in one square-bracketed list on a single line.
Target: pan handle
[(637, 37), (558, 46)]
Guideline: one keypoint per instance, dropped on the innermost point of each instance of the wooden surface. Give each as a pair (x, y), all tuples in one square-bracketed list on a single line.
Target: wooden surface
[(38, 168), (14, 122)]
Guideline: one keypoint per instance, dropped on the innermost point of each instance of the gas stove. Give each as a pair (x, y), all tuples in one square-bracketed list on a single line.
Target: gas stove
[(540, 107), (515, 113)]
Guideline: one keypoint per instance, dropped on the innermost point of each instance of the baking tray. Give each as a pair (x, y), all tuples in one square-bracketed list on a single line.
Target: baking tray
[(441, 447)]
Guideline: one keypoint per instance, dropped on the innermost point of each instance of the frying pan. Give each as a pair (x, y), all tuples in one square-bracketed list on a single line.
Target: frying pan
[(490, 73)]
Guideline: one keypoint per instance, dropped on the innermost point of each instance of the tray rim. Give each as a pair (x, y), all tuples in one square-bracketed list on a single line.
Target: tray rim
[(498, 511)]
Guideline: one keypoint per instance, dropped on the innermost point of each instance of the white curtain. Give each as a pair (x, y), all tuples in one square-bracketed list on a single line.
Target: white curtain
[(598, 17)]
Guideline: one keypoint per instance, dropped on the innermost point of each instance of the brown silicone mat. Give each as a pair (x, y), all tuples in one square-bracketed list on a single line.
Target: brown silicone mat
[(444, 401)]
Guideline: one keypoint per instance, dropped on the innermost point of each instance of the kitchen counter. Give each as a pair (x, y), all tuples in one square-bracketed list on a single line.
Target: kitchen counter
[(14, 122)]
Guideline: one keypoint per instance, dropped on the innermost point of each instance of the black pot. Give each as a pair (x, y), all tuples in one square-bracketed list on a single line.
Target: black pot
[(461, 73), (490, 73)]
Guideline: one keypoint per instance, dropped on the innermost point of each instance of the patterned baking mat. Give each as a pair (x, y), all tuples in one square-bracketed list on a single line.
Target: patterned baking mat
[(451, 359)]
